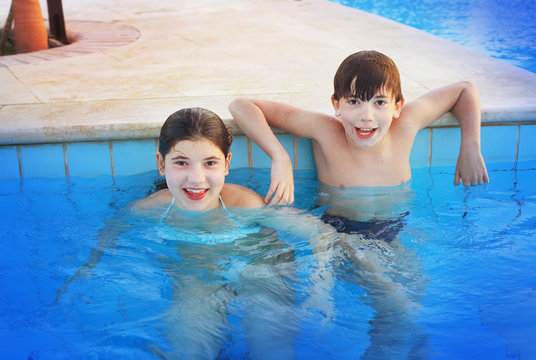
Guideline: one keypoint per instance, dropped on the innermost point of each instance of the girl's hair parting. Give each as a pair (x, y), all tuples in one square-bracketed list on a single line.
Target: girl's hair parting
[(364, 73), (194, 124)]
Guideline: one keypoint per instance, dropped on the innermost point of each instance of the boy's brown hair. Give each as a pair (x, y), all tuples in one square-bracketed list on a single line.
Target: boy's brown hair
[(363, 74)]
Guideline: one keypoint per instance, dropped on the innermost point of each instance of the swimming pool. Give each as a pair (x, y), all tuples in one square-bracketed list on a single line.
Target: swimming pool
[(503, 29), (457, 282)]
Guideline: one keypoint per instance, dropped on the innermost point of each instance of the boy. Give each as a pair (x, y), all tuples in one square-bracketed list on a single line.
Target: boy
[(368, 142)]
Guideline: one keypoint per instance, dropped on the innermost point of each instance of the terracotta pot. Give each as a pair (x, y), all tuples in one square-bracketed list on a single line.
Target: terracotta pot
[(30, 31)]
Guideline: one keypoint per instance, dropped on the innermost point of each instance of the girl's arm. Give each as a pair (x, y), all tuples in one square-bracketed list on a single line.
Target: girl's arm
[(107, 237), (321, 237)]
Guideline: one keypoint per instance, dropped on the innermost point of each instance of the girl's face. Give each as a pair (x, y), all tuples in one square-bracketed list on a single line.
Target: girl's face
[(195, 172)]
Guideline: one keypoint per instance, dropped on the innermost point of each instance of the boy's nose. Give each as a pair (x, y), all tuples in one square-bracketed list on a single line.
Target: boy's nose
[(366, 113)]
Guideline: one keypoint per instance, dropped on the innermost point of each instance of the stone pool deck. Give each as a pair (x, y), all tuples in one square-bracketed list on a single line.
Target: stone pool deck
[(134, 62)]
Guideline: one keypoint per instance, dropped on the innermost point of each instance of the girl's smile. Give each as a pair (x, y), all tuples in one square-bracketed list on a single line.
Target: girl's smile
[(195, 194)]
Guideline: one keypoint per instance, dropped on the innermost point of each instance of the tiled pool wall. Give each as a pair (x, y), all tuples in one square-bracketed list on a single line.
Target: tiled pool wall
[(439, 146)]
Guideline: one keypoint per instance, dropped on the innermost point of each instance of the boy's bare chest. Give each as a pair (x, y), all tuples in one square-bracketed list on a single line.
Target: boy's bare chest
[(341, 166)]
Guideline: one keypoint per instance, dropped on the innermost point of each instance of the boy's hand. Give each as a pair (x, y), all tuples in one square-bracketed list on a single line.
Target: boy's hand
[(470, 167), (281, 189)]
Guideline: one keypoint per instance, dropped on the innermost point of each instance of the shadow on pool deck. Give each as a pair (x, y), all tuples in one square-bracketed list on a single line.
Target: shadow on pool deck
[(159, 57)]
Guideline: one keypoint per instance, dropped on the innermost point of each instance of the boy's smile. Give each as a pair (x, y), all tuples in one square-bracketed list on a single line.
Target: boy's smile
[(365, 133)]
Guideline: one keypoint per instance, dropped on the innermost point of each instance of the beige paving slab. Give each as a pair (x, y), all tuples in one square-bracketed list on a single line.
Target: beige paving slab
[(90, 120), (13, 90), (206, 52)]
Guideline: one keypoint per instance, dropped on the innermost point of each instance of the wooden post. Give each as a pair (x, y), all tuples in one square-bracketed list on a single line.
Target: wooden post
[(56, 21), (7, 30)]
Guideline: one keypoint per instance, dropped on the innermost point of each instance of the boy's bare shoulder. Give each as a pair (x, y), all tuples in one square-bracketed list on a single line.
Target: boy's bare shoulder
[(324, 126), (408, 121), (234, 195)]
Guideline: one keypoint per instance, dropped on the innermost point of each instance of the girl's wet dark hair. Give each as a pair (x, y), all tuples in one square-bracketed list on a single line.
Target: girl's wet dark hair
[(194, 124), (363, 74)]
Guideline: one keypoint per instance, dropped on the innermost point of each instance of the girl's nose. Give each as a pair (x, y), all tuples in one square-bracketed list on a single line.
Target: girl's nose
[(196, 175)]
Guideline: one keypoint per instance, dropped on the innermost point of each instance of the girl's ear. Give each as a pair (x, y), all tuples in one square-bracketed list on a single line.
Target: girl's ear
[(227, 163), (336, 106), (160, 163)]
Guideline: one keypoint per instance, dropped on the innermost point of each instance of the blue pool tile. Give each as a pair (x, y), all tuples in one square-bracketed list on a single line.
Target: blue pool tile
[(261, 160), (89, 159), (306, 159), (134, 157), (10, 162), (527, 140), (419, 151), (45, 160), (499, 144), (288, 143), (239, 148), (445, 146)]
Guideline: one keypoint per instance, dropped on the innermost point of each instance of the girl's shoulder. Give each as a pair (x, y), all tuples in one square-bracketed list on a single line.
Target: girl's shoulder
[(234, 195), (158, 199)]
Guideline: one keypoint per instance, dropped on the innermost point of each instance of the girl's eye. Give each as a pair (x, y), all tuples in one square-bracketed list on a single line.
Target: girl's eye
[(381, 102), (353, 101)]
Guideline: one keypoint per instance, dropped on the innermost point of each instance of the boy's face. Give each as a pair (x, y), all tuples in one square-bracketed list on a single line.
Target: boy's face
[(367, 122)]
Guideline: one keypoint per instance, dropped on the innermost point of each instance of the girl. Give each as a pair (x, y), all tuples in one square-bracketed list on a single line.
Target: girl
[(205, 237), (194, 156)]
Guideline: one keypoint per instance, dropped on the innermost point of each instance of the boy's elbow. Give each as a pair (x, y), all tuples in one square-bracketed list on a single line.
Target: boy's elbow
[(238, 103), (468, 86)]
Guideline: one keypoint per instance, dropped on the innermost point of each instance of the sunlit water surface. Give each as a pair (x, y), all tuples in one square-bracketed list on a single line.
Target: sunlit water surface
[(503, 29)]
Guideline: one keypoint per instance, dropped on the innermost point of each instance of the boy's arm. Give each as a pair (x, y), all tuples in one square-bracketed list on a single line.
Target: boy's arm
[(255, 117), (463, 101)]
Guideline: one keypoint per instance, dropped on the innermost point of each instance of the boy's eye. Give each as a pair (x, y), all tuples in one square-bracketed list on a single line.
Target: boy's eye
[(181, 163), (381, 102), (211, 163), (353, 101)]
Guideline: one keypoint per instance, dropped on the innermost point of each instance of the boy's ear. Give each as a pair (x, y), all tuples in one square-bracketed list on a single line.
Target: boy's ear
[(398, 108), (160, 163), (336, 106), (227, 163)]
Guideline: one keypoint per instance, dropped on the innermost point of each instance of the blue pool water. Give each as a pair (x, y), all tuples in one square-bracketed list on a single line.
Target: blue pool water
[(503, 29), (457, 283)]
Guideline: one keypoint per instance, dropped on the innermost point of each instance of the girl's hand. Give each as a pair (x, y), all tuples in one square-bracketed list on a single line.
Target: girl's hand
[(281, 189)]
